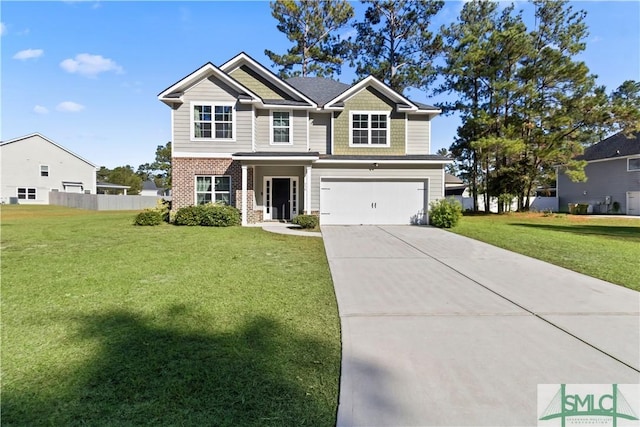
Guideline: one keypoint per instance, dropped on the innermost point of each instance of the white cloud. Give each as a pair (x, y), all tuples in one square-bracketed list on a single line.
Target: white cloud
[(28, 54), (39, 109), (69, 107), (90, 65), (3, 29)]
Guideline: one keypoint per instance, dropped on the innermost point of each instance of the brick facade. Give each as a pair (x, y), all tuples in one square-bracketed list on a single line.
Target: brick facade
[(185, 170)]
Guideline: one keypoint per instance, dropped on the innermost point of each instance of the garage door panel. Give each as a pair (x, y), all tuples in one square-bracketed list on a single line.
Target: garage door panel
[(352, 201)]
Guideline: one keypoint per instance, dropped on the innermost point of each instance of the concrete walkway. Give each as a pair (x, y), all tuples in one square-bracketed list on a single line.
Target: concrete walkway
[(442, 330), (285, 228)]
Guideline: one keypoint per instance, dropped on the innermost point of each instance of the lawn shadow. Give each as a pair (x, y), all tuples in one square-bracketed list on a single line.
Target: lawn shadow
[(150, 372), (625, 233)]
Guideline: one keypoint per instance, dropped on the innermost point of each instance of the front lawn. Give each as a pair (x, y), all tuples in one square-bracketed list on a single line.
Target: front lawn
[(606, 248), (105, 323)]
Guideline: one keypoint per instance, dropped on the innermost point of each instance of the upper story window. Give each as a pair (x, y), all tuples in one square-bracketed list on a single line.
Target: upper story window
[(633, 164), (281, 127), (44, 170), (213, 121), (369, 128)]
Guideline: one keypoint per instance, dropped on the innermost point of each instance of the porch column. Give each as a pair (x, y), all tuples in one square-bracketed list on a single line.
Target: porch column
[(244, 194), (307, 190)]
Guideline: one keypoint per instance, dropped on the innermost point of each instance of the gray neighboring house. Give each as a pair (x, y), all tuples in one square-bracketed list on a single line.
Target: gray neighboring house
[(149, 188), (613, 177), (274, 148), (33, 165)]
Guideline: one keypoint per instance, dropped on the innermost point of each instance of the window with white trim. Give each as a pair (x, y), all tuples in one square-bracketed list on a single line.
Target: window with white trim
[(213, 189), (44, 170), (25, 193), (281, 127), (213, 121), (633, 164), (369, 128)]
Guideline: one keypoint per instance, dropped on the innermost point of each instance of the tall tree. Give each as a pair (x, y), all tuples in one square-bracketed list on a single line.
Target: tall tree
[(525, 101), (560, 101), (625, 108), (160, 170), (312, 26), (467, 52), (394, 43)]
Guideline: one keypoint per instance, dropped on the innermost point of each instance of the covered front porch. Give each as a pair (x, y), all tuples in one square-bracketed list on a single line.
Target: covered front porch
[(281, 184)]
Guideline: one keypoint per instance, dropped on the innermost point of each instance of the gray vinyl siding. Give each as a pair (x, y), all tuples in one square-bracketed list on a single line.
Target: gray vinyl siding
[(605, 178), (299, 125), (320, 132), (433, 173), (20, 163), (418, 126), (211, 90)]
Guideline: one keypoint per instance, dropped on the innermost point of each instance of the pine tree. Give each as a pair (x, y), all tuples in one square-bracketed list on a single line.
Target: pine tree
[(394, 44), (312, 26)]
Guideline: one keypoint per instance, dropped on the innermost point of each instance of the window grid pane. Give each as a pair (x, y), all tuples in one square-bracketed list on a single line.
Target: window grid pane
[(281, 127), (213, 189), (634, 164), (213, 121), (360, 136)]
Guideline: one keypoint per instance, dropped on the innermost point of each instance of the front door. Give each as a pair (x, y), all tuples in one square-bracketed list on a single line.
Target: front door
[(281, 198)]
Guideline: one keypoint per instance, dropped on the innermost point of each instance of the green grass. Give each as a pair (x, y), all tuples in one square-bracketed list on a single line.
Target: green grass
[(606, 248), (105, 323)]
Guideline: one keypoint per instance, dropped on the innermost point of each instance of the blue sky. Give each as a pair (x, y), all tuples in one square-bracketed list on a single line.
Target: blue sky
[(87, 73)]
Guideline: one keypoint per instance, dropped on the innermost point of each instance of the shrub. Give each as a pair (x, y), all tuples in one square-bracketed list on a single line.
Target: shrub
[(219, 215), (445, 213), (616, 207), (209, 215), (306, 221), (189, 215), (148, 217)]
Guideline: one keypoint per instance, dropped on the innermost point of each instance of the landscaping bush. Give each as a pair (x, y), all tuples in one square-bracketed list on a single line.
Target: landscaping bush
[(445, 213), (209, 215), (148, 217), (189, 215), (218, 215), (306, 221)]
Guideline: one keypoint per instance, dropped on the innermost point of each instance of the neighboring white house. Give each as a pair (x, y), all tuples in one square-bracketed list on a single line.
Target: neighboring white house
[(33, 165)]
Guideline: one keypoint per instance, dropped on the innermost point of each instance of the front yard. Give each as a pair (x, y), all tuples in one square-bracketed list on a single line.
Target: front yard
[(105, 323), (606, 248)]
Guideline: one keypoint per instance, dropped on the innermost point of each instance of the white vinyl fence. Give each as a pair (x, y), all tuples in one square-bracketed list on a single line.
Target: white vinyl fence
[(103, 202), (535, 204)]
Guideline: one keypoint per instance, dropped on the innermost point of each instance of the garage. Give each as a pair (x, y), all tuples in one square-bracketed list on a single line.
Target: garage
[(368, 201)]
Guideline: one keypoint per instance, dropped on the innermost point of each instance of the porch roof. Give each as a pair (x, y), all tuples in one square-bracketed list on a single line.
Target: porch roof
[(277, 155)]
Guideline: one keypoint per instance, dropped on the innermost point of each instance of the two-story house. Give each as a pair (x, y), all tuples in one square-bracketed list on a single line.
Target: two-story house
[(275, 148), (613, 177), (33, 165)]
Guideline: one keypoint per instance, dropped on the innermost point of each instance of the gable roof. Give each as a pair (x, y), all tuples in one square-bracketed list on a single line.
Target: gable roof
[(615, 146), (402, 103), (174, 92), (11, 141), (243, 59), (319, 89)]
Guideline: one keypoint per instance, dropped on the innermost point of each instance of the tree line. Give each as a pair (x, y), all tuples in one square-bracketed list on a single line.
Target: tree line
[(526, 101), (159, 171)]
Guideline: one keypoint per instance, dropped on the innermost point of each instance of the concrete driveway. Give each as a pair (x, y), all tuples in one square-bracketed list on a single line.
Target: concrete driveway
[(439, 329)]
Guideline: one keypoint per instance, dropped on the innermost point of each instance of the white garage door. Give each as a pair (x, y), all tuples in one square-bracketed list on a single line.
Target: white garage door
[(353, 201), (633, 202)]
